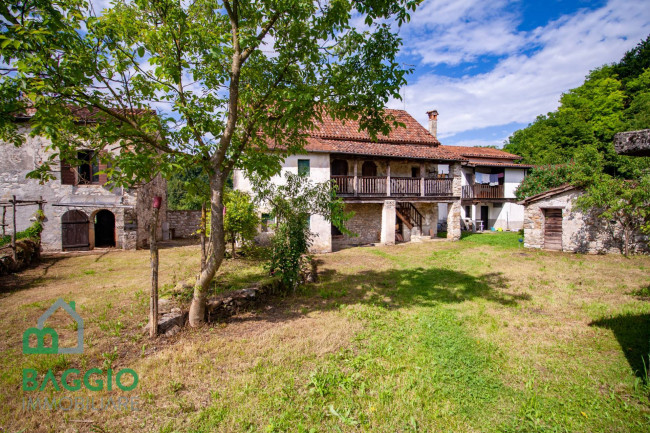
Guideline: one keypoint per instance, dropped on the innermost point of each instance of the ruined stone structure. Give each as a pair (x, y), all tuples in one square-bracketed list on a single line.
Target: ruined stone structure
[(81, 211), (552, 222), (183, 224), (633, 143), (394, 185)]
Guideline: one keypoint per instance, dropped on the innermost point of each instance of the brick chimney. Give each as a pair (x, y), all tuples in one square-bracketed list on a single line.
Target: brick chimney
[(433, 123)]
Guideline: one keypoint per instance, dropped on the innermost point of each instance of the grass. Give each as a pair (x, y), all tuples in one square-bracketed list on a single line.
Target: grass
[(476, 335)]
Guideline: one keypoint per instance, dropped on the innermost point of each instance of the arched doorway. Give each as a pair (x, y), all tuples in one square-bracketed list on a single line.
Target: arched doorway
[(369, 168), (74, 231), (339, 167), (104, 229)]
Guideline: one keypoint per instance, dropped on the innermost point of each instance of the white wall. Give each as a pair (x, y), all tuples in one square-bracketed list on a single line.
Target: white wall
[(319, 171), (512, 179)]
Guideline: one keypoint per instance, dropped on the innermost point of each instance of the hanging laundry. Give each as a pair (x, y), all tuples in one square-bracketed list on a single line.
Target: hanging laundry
[(494, 179)]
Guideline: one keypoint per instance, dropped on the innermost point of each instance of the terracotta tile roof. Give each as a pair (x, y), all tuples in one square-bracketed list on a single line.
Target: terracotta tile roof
[(413, 132), (395, 150), (481, 152), (411, 141), (499, 164)]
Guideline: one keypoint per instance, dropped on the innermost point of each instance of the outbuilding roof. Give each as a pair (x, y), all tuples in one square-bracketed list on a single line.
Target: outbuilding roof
[(548, 193)]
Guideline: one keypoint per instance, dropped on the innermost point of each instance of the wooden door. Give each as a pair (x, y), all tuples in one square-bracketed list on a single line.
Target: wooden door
[(553, 229), (74, 231)]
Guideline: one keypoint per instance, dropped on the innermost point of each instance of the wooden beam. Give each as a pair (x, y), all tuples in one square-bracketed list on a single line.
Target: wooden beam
[(13, 234), (388, 177), (355, 171), (422, 167)]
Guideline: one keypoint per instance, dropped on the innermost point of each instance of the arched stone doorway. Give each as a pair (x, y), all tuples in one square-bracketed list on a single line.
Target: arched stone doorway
[(369, 168), (104, 229), (74, 231)]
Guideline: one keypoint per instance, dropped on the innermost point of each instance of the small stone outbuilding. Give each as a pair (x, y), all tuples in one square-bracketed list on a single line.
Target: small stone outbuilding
[(552, 222)]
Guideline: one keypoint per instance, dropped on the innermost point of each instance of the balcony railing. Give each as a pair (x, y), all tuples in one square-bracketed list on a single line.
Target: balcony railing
[(478, 190), (399, 186)]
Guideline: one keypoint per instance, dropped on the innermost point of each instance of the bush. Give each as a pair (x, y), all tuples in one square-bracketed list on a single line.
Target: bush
[(543, 178)]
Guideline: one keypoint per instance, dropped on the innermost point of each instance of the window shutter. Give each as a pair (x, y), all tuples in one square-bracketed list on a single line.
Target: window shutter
[(67, 175)]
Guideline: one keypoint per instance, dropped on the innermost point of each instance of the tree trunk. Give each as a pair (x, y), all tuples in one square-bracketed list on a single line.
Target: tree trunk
[(233, 247), (216, 252), (626, 241), (153, 302), (203, 231)]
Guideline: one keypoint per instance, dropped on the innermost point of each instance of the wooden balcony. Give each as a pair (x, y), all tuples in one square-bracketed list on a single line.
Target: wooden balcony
[(377, 186), (477, 191)]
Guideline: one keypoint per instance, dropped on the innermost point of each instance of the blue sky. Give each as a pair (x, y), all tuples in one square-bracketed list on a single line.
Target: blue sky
[(490, 67)]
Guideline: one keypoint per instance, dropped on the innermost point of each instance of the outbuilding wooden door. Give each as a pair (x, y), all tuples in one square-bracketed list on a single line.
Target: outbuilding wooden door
[(553, 229), (74, 231)]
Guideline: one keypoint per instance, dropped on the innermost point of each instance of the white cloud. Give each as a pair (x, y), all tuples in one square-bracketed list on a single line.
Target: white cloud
[(520, 86)]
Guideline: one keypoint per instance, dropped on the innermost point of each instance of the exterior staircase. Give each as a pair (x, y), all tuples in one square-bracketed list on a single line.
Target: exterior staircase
[(409, 215)]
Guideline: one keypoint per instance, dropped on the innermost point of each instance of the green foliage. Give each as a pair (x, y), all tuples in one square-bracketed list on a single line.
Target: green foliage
[(32, 232), (612, 99), (241, 220), (624, 203), (292, 205), (188, 189), (543, 178)]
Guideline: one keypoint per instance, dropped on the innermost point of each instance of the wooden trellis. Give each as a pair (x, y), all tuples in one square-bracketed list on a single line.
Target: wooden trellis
[(13, 203)]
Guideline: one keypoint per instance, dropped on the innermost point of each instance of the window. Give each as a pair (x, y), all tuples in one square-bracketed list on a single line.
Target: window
[(336, 231), (468, 211), (497, 205), (86, 173), (267, 220), (415, 171), (303, 167)]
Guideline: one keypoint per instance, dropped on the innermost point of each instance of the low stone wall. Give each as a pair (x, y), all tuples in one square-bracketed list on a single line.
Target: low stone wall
[(183, 223), (27, 252)]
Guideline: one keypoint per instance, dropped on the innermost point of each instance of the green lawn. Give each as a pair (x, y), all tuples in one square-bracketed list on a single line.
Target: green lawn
[(477, 335)]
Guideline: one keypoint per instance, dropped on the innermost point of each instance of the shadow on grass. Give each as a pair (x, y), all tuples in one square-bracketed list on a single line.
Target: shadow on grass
[(33, 275), (394, 289), (633, 334)]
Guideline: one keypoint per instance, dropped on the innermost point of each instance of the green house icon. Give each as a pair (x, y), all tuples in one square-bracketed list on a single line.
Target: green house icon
[(41, 331)]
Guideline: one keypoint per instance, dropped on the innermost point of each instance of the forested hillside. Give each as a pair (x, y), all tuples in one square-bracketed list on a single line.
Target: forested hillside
[(613, 98)]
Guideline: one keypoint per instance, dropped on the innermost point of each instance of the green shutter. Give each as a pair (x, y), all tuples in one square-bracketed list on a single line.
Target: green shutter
[(303, 167)]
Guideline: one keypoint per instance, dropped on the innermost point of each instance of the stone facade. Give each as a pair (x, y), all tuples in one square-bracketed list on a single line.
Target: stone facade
[(183, 223), (581, 232), (131, 207), (366, 223)]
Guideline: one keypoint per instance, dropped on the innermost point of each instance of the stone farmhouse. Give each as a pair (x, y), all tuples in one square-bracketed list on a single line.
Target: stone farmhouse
[(81, 211), (397, 185)]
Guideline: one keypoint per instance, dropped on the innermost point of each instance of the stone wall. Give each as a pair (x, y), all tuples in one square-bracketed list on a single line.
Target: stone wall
[(581, 232), (130, 207), (183, 223), (366, 223)]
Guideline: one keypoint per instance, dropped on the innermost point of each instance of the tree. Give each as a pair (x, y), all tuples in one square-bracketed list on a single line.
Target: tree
[(292, 205), (214, 84), (626, 203), (188, 189), (613, 98), (241, 219)]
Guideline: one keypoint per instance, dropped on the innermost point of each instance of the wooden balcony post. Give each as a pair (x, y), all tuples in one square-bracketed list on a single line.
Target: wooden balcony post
[(422, 180), (388, 177), (354, 171)]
